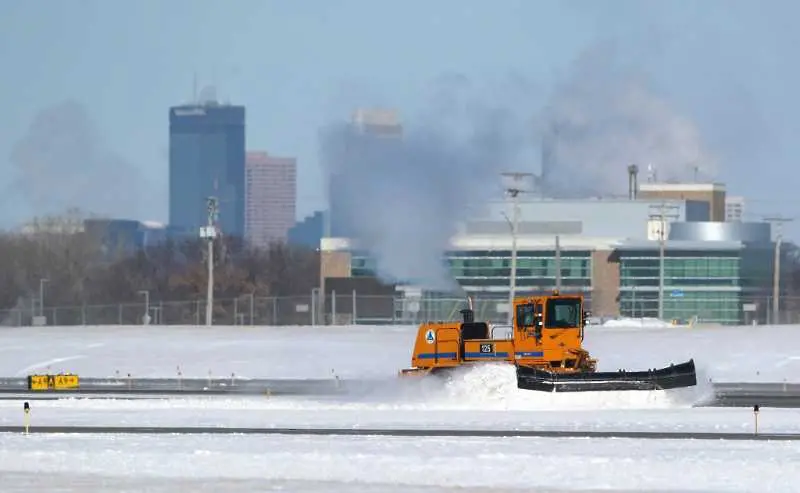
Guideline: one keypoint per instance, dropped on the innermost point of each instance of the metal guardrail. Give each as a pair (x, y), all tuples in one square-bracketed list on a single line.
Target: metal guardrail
[(168, 386), (728, 394)]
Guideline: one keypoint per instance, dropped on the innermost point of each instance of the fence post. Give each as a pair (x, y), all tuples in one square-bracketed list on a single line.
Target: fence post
[(275, 310), (314, 306), (252, 308), (353, 321), (119, 313), (333, 307)]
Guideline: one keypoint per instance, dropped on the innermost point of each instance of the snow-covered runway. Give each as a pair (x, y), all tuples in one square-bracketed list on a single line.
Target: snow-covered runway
[(484, 397), (313, 464), (725, 354)]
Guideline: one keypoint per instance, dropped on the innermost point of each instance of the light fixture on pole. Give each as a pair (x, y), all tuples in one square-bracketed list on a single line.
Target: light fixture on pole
[(209, 233), (661, 216), (514, 187), (776, 266)]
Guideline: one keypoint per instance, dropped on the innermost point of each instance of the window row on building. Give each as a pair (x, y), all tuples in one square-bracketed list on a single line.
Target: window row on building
[(712, 286)]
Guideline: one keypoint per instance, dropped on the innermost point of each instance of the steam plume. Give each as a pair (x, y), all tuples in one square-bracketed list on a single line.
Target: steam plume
[(401, 197), (603, 117), (62, 165)]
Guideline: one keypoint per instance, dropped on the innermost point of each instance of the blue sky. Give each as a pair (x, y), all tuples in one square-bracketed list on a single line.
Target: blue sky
[(726, 66)]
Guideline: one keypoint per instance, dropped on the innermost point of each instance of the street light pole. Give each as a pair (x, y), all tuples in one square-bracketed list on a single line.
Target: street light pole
[(513, 191), (776, 268), (513, 283), (661, 265), (662, 241), (209, 232)]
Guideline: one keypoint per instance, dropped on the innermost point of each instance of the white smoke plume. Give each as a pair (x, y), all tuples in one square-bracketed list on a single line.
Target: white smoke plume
[(63, 165), (604, 117), (402, 197)]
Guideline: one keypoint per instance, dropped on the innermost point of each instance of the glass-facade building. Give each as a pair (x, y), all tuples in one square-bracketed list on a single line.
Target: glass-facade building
[(714, 271), (207, 158), (709, 282)]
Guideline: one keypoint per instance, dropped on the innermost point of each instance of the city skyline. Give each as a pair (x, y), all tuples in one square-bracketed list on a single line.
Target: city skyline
[(698, 61)]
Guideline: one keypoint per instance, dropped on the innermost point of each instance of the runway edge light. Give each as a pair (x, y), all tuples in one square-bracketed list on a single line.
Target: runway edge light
[(26, 408)]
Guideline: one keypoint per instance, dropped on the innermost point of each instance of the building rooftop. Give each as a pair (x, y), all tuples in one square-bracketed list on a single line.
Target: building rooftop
[(375, 116), (681, 187), (566, 243)]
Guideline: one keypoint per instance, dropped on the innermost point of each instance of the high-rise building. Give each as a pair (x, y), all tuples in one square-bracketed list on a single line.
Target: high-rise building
[(370, 122), (271, 191), (207, 158)]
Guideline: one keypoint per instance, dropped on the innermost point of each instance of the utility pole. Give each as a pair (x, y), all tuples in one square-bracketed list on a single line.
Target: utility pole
[(209, 232), (558, 263), (662, 240), (661, 264), (776, 268), (513, 190)]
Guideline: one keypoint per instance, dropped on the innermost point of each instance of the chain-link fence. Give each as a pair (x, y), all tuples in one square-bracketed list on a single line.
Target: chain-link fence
[(311, 309), (353, 308)]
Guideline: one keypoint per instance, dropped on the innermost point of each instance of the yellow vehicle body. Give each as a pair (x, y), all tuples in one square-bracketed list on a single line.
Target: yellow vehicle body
[(544, 342), (559, 347)]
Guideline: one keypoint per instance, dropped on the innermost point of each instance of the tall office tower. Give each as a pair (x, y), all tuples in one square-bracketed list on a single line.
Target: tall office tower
[(271, 198), (365, 125), (207, 157)]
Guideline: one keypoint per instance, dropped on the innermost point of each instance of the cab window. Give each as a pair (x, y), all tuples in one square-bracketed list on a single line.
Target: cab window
[(525, 315), (562, 313)]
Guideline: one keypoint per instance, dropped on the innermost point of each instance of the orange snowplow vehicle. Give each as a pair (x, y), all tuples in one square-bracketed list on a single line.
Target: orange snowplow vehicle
[(544, 343)]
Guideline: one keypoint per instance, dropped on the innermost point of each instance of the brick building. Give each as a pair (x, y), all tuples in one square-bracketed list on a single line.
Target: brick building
[(271, 198)]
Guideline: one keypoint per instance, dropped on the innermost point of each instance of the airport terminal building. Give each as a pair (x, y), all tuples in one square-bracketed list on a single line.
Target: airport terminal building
[(715, 271)]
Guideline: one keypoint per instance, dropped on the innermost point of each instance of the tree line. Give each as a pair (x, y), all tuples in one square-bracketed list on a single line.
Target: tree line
[(85, 268)]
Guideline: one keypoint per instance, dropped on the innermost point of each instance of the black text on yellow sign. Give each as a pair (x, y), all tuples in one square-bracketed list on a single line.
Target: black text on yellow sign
[(53, 382)]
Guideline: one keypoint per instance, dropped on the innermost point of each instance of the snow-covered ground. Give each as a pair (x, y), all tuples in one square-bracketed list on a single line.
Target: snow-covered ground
[(748, 354), (83, 463), (482, 397)]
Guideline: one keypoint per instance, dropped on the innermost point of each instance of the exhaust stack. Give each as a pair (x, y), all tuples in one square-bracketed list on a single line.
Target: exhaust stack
[(633, 185), (468, 314)]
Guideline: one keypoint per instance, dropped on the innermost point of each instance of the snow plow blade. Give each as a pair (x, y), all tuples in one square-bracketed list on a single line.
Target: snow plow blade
[(670, 377)]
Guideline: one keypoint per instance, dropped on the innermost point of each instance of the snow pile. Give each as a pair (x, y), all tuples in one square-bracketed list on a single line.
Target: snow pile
[(494, 386), (639, 323)]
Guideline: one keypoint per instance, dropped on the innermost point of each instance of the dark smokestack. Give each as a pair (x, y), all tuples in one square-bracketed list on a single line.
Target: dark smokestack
[(633, 185)]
